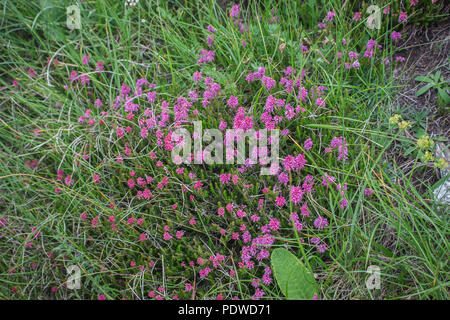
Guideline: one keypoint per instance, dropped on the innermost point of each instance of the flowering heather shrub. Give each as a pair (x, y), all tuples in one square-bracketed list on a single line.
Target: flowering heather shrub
[(196, 231)]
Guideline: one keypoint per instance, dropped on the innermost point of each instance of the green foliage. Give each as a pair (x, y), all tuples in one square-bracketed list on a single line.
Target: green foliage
[(436, 81), (397, 228), (294, 279)]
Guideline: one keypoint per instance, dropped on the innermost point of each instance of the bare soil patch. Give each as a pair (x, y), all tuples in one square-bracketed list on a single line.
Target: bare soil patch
[(426, 49)]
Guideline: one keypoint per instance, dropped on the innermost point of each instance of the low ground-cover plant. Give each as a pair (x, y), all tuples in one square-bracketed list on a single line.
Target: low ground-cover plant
[(420, 144), (436, 81), (88, 177)]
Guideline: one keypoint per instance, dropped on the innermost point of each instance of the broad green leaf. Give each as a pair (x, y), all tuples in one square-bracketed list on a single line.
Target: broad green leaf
[(443, 95), (440, 138), (437, 75), (423, 79), (424, 89), (293, 278), (409, 150)]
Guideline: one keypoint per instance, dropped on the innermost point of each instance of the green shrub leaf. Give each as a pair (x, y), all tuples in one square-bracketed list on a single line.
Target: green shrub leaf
[(294, 280), (424, 89)]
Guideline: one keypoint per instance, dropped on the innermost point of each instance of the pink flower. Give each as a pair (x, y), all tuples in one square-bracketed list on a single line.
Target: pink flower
[(320, 222), (304, 210), (197, 76), (86, 59), (274, 224), (321, 247), (353, 55), (167, 236), (296, 194), (403, 17), (258, 294), (96, 178), (396, 35), (268, 82), (289, 163), (98, 103), (308, 144), (234, 12), (60, 174), (142, 237), (204, 272), (179, 234), (101, 297), (320, 102), (330, 15), (131, 183), (210, 40), (280, 201), (100, 66), (69, 181), (120, 132), (94, 222), (222, 125), (327, 179), (343, 203), (233, 102), (205, 56), (225, 178)]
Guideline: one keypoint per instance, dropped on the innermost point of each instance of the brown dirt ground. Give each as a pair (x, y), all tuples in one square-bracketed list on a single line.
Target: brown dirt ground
[(426, 50)]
